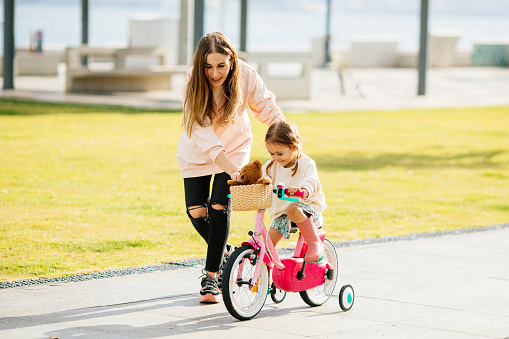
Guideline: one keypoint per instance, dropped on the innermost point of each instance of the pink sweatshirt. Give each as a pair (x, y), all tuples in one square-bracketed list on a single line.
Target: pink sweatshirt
[(196, 154)]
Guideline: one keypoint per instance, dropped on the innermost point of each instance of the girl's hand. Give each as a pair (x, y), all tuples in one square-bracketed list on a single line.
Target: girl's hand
[(292, 190)]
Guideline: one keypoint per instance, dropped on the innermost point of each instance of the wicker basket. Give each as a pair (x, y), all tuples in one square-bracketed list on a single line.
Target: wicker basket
[(251, 197)]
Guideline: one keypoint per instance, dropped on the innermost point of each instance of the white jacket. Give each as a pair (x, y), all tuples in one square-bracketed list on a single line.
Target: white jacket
[(305, 177)]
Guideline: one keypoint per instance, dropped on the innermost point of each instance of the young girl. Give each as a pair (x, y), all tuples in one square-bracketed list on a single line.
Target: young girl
[(298, 172), (216, 142)]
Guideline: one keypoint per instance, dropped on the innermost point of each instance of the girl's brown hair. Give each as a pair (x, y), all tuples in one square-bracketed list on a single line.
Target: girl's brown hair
[(199, 101), (284, 132)]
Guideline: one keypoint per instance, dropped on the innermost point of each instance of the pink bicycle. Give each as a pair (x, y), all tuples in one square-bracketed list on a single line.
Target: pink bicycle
[(254, 270)]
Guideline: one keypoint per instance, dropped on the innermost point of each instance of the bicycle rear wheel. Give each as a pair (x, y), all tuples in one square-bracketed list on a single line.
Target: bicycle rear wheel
[(319, 295), (243, 294)]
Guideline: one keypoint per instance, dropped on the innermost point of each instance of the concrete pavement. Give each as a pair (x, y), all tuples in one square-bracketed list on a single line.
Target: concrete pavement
[(365, 89), (450, 286)]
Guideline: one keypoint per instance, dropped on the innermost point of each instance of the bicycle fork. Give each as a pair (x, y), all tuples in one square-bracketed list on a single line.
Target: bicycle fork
[(260, 253)]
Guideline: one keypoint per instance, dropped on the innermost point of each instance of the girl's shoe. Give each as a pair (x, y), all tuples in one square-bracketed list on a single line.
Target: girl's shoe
[(209, 292)]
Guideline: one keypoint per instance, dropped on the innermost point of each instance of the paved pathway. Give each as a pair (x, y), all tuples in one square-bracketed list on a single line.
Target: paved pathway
[(383, 89), (453, 286)]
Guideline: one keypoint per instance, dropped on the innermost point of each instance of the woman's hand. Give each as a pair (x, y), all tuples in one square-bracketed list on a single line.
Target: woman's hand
[(227, 166), (235, 176)]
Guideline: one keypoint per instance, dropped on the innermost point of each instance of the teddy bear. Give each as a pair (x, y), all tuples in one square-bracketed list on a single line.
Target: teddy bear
[(251, 173)]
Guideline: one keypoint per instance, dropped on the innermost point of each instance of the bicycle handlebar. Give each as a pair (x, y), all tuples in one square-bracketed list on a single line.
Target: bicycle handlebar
[(298, 194), (282, 193)]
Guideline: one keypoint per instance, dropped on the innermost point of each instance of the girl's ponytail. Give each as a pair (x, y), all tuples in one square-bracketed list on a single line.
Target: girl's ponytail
[(296, 167), (269, 166)]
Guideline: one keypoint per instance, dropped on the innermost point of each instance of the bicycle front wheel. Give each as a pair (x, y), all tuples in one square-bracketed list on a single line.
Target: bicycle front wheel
[(243, 294), (319, 295)]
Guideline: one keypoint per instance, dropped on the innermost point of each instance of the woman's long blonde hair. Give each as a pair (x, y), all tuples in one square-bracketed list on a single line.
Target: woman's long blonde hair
[(199, 101)]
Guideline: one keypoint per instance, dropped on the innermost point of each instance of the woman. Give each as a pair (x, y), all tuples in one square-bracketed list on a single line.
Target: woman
[(217, 142)]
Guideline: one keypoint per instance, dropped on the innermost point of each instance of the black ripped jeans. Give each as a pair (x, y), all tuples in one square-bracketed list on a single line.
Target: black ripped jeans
[(215, 227)]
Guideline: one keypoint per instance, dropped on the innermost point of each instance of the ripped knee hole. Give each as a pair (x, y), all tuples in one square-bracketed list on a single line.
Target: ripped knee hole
[(218, 207), (197, 211)]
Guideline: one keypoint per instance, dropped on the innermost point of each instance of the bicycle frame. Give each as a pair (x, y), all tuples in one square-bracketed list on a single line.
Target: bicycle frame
[(260, 240)]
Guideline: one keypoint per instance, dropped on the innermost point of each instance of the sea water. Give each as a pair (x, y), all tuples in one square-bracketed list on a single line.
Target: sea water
[(272, 24)]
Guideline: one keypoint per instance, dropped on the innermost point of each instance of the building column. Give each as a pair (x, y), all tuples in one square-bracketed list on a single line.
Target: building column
[(9, 47)]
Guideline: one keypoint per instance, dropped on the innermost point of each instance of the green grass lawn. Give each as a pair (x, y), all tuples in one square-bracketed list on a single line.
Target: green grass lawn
[(86, 188)]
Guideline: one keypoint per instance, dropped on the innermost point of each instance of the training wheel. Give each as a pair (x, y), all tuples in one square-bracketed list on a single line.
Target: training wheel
[(276, 294), (346, 297)]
